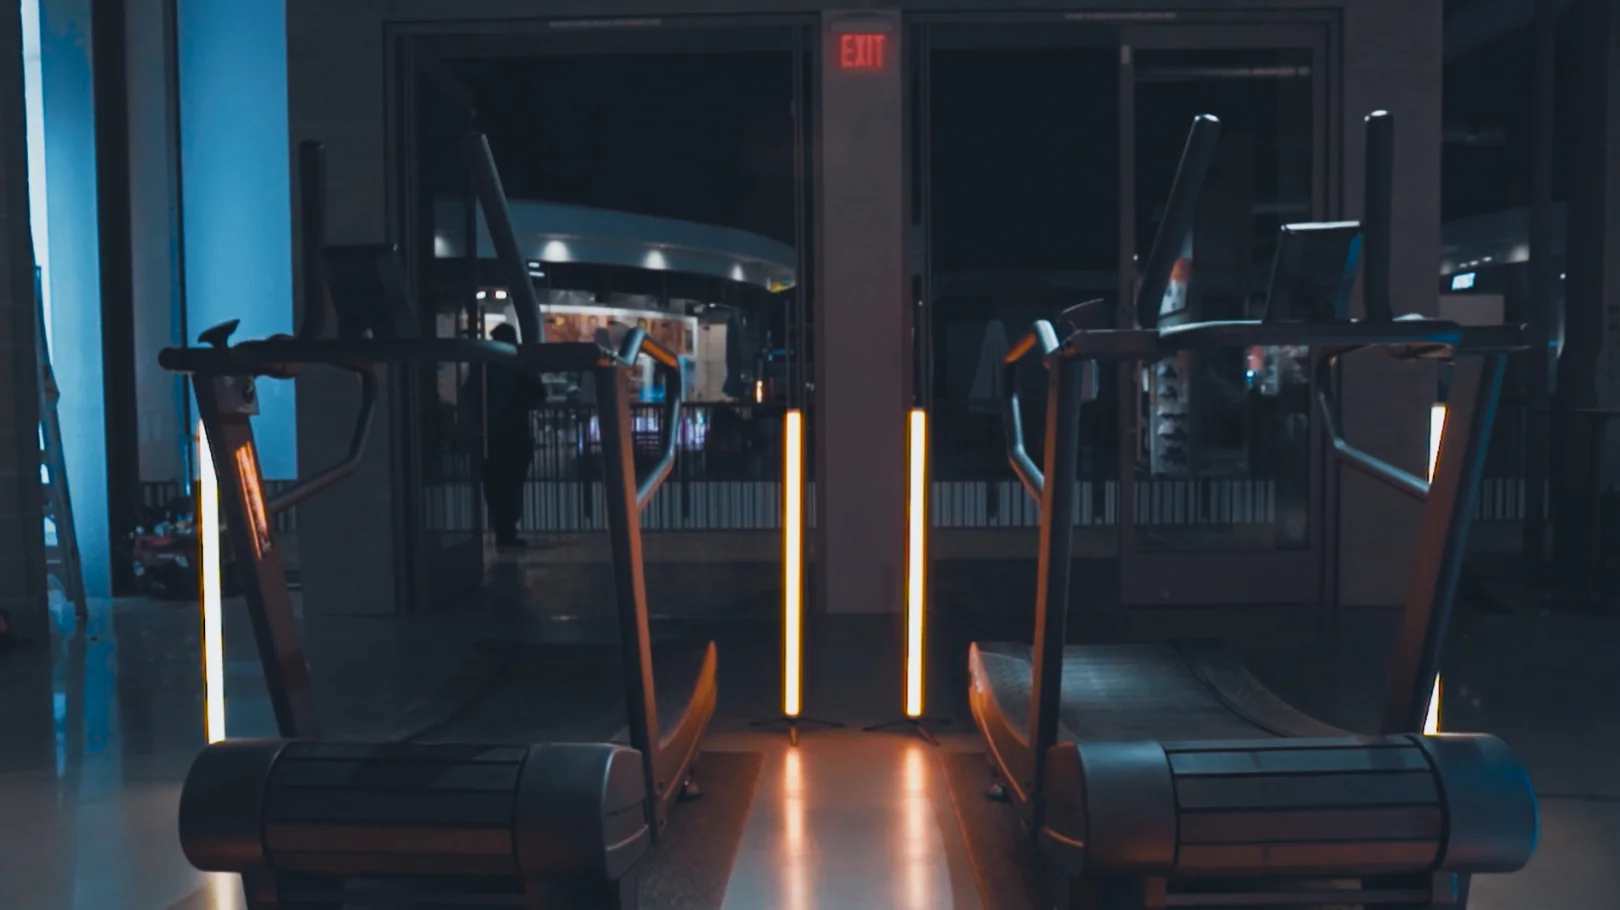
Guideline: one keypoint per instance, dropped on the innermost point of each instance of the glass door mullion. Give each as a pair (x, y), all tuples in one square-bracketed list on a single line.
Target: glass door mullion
[(1129, 373)]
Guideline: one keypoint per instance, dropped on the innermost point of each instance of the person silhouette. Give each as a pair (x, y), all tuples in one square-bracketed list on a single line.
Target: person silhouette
[(508, 399)]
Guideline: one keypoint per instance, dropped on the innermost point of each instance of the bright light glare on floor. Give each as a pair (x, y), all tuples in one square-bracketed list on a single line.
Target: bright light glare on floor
[(917, 838), (792, 562), (916, 564), (1437, 429), (796, 845), (213, 634)]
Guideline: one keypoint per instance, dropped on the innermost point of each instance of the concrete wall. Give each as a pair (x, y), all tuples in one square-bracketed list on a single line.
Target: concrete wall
[(1389, 53)]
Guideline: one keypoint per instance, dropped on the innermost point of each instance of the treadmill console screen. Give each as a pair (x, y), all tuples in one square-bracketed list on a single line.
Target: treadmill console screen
[(1314, 272)]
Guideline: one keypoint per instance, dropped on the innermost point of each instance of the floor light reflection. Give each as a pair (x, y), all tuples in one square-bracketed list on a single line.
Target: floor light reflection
[(795, 843), (917, 847)]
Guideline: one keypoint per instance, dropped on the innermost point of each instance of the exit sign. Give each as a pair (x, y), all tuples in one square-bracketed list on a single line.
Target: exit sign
[(862, 51)]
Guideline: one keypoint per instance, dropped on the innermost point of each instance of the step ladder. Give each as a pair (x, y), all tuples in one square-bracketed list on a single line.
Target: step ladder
[(62, 564)]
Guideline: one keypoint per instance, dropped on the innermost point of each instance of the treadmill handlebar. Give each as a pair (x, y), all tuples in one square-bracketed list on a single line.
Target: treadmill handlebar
[(486, 184), (1413, 335), (284, 357), (337, 473), (1042, 338), (1180, 208), (636, 343), (1390, 475)]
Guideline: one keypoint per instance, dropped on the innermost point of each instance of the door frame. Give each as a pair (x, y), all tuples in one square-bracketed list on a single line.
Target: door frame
[(1210, 577), (408, 44), (1184, 577)]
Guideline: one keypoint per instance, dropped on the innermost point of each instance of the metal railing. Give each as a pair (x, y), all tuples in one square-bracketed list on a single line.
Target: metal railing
[(727, 470)]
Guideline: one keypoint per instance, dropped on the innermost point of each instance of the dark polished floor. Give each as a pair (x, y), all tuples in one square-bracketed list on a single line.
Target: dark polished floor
[(97, 727)]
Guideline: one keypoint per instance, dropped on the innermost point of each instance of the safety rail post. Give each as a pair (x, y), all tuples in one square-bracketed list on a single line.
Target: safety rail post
[(1062, 458), (1442, 541), (630, 581), (226, 405)]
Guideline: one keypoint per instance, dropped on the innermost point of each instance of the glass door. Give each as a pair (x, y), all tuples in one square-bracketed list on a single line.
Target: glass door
[(442, 463), (1017, 217), (657, 174), (1223, 490)]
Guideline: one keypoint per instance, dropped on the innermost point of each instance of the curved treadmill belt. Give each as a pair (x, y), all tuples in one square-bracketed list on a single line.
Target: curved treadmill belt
[(575, 693), (1175, 691)]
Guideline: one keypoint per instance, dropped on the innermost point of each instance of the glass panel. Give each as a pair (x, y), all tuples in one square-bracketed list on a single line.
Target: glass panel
[(656, 191), (1223, 437), (450, 416), (1023, 151)]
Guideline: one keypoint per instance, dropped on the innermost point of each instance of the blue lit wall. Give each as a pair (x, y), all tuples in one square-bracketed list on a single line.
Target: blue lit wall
[(69, 144), (237, 189)]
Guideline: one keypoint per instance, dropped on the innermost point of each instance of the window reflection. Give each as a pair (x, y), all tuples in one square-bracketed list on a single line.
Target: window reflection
[(1223, 436)]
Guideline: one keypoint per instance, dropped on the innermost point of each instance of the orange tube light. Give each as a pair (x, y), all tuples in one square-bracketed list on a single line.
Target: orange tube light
[(793, 563), (213, 643), (1437, 430), (916, 553)]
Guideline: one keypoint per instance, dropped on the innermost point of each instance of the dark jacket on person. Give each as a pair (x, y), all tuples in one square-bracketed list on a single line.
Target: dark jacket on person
[(509, 398)]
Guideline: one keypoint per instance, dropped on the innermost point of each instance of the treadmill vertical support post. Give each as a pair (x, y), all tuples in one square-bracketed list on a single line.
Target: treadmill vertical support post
[(226, 405), (1443, 540), (629, 579), (1062, 450)]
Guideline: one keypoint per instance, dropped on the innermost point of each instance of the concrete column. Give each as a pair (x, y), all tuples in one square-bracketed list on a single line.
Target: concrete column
[(154, 253), (862, 320), (71, 260), (237, 194), (336, 95), (1392, 60), (22, 543)]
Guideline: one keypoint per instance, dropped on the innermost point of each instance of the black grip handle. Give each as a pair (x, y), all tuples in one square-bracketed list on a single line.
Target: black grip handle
[(1196, 157), (1377, 217)]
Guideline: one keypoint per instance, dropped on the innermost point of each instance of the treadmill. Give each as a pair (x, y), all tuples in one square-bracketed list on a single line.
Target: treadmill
[(1167, 774), (545, 801)]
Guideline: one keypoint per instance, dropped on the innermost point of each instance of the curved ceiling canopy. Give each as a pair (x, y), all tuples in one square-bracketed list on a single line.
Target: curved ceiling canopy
[(554, 232)]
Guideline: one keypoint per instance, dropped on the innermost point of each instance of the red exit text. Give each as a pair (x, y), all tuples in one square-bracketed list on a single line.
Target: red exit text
[(862, 51)]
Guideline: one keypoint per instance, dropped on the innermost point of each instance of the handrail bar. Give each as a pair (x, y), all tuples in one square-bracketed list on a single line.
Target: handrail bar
[(285, 357), (1372, 466), (324, 480), (636, 343), (1419, 335), (277, 357), (1043, 337)]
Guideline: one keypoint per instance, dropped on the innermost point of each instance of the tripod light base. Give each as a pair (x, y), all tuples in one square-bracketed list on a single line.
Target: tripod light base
[(792, 725), (918, 725)]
